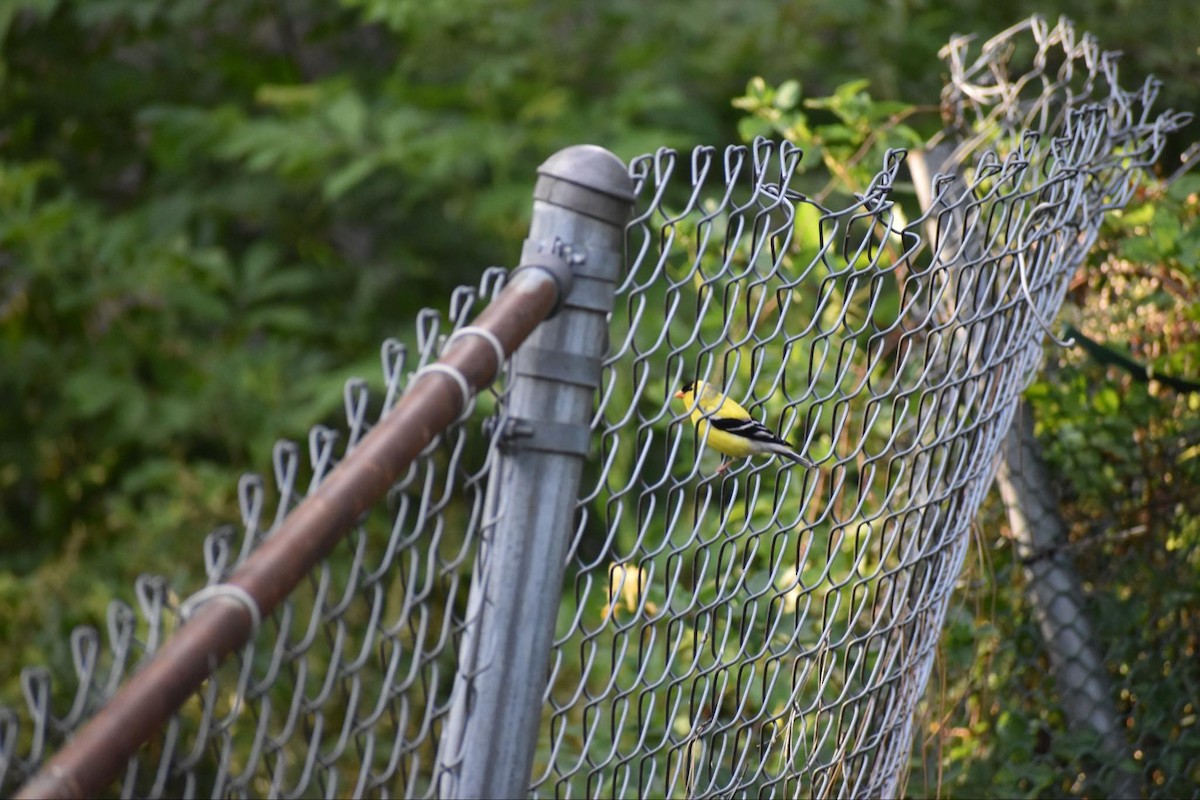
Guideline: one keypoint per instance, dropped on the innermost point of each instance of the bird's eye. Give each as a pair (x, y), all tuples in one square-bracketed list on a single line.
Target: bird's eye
[(690, 386)]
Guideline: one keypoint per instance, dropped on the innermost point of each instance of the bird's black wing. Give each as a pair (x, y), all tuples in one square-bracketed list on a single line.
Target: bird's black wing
[(749, 428)]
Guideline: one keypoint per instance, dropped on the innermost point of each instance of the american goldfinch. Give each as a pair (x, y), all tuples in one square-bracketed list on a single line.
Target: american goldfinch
[(730, 429)]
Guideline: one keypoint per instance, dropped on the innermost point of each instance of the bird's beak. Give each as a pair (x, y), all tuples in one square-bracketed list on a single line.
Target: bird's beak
[(679, 394)]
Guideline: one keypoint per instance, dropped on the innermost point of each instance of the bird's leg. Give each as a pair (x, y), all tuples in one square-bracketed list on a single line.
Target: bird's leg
[(724, 466)]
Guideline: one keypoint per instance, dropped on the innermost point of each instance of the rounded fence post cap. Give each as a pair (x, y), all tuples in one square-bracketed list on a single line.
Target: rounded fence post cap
[(588, 179)]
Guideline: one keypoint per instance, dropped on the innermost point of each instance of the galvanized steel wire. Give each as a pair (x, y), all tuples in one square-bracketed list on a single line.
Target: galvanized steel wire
[(768, 632), (764, 632)]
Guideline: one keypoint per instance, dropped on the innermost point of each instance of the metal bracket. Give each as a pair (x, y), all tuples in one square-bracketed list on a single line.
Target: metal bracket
[(557, 365), (583, 283), (556, 260), (590, 294), (517, 434)]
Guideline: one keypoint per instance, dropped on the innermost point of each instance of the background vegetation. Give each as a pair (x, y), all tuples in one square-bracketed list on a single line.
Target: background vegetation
[(210, 215)]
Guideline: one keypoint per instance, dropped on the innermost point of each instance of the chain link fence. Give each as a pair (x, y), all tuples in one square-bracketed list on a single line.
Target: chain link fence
[(1084, 681), (560, 593)]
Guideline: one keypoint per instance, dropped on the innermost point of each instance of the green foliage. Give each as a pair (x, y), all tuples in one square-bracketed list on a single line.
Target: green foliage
[(1123, 450), (848, 137), (1133, 510)]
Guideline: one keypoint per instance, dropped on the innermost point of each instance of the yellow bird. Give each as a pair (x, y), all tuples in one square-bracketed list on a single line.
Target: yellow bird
[(730, 429)]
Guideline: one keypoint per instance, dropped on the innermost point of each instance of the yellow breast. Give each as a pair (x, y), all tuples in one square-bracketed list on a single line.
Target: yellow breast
[(722, 442)]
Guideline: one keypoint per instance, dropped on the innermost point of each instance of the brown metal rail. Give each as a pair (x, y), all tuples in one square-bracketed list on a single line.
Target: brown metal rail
[(98, 753)]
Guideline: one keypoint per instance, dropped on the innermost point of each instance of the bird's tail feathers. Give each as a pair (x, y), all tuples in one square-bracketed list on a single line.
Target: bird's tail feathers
[(787, 451)]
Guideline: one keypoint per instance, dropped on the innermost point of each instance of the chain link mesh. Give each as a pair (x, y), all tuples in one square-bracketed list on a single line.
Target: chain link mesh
[(765, 631), (768, 632)]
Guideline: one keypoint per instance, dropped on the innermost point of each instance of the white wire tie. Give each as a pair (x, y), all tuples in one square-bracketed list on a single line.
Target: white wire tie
[(459, 378), (229, 590), (483, 333)]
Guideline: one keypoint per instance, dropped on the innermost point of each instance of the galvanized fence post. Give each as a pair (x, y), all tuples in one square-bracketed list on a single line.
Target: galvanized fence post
[(582, 201)]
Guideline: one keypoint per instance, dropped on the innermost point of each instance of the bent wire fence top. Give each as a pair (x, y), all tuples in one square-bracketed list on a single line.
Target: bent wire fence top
[(767, 631)]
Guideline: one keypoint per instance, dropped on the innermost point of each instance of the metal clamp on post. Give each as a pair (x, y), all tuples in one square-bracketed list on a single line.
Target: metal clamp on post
[(555, 259), (543, 436), (558, 366), (595, 286)]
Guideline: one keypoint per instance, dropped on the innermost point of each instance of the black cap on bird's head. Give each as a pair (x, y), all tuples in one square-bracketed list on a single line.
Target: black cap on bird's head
[(688, 388)]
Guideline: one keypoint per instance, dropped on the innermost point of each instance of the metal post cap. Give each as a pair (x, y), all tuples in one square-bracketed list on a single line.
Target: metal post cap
[(587, 179)]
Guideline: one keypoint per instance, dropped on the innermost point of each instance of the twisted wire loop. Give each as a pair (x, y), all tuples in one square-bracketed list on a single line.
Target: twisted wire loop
[(767, 631)]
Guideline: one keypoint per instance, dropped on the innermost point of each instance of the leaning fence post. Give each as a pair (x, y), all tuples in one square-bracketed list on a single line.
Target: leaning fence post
[(582, 201)]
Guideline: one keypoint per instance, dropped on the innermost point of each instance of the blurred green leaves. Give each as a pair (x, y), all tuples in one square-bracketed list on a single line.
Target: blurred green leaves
[(848, 135)]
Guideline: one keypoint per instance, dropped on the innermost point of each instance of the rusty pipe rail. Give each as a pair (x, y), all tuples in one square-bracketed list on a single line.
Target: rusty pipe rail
[(435, 399)]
